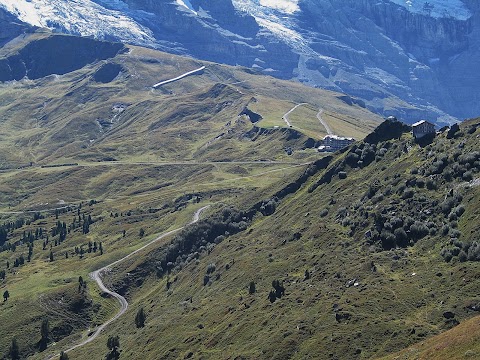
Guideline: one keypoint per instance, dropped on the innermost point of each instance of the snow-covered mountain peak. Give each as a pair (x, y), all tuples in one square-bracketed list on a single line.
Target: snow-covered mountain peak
[(186, 4)]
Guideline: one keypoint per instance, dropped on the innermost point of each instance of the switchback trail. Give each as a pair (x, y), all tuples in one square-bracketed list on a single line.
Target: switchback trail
[(96, 275)]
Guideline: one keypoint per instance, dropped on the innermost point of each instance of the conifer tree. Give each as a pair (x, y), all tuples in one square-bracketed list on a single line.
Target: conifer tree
[(140, 318), (14, 352)]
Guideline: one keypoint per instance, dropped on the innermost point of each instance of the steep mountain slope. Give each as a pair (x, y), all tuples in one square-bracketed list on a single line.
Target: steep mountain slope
[(377, 249), (401, 57)]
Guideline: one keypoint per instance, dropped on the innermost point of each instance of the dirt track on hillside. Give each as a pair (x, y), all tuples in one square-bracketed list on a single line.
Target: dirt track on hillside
[(96, 275)]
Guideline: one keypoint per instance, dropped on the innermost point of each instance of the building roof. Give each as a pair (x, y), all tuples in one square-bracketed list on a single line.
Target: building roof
[(336, 137), (422, 122)]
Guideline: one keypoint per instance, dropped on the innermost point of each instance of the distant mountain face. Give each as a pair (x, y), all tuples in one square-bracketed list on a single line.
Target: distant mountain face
[(410, 58)]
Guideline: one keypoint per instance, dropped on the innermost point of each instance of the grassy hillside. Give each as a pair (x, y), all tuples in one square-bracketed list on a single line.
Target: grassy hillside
[(461, 342), (357, 254), (90, 154), (107, 109), (374, 253)]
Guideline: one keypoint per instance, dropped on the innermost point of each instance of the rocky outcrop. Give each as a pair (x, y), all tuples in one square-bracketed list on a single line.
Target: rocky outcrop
[(383, 53), (423, 36), (56, 54), (10, 27), (217, 32)]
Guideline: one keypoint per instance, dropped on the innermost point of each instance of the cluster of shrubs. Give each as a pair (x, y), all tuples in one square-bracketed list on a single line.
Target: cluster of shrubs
[(462, 251), (395, 231), (362, 155), (200, 237), (394, 225), (210, 270), (455, 166), (277, 292), (268, 206)]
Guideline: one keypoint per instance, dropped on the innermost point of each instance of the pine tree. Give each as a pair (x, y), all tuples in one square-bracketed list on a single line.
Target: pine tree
[(6, 295), (140, 318), (30, 252), (14, 352), (44, 332), (113, 343), (63, 356), (251, 288), (51, 256)]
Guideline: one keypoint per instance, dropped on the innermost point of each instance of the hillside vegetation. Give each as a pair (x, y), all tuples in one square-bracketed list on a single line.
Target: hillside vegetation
[(95, 164), (107, 110), (377, 250), (302, 255)]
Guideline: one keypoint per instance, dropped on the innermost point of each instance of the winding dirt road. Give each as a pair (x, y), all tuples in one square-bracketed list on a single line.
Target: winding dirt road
[(96, 275), (323, 122), (285, 116)]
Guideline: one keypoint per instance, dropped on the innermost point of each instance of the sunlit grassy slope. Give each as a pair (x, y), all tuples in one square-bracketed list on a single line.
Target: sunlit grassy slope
[(78, 117), (361, 299), (354, 288), (148, 157)]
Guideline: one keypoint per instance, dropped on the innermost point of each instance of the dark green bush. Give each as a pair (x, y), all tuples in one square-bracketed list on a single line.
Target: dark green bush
[(387, 239), (446, 254), (408, 194), (474, 252), (459, 210), (418, 230), (467, 176), (431, 185), (401, 237), (447, 205), (268, 207)]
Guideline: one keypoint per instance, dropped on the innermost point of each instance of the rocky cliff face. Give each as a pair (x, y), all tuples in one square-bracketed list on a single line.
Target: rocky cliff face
[(10, 27), (378, 50), (400, 62), (55, 55), (215, 31)]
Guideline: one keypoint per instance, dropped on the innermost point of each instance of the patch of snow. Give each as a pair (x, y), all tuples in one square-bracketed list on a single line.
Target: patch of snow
[(286, 6), (276, 16), (24, 10), (437, 8), (187, 4), (86, 18), (382, 76)]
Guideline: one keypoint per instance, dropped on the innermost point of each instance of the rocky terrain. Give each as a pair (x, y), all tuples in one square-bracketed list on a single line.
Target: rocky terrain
[(398, 56)]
